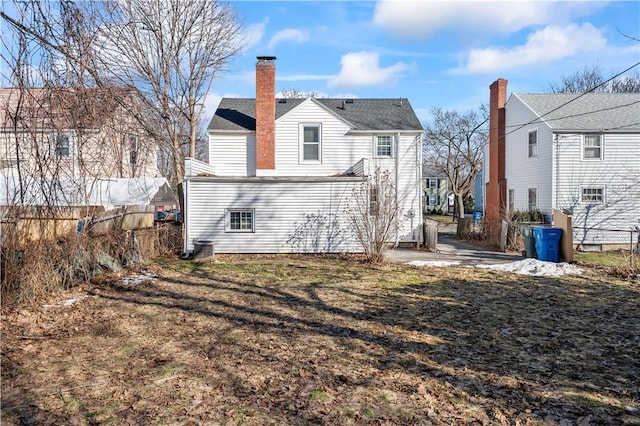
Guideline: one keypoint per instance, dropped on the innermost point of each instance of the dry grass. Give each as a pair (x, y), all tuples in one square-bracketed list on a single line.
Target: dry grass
[(325, 340)]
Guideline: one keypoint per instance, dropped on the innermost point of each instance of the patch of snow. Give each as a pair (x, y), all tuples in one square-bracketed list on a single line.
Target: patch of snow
[(67, 302), (433, 263), (535, 267), (139, 279)]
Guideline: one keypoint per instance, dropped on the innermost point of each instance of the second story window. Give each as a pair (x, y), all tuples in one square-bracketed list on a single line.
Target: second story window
[(61, 145), (384, 146), (311, 142), (533, 143), (592, 147)]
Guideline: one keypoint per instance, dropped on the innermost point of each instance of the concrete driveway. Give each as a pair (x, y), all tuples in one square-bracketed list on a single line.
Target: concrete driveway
[(451, 249)]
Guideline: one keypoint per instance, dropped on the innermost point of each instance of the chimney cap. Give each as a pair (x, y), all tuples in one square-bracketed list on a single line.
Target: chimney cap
[(266, 58)]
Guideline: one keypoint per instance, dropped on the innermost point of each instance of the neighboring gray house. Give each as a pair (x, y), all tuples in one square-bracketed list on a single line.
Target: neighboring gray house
[(575, 152), (281, 171), (435, 189)]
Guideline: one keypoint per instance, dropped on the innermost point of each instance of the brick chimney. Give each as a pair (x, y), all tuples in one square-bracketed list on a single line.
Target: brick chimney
[(265, 112), (495, 208)]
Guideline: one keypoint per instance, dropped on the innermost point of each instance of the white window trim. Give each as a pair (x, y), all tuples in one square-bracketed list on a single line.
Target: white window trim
[(53, 143), (227, 221), (604, 194), (375, 146), (582, 148), (535, 154), (301, 159)]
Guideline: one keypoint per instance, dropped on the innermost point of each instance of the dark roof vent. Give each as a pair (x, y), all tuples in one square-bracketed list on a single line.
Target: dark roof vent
[(349, 101), (282, 100)]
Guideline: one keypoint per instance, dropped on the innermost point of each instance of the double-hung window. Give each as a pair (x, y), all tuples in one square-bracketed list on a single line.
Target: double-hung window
[(133, 149), (592, 194), (533, 143), (61, 144), (433, 183), (240, 220), (384, 146), (533, 199), (311, 143), (592, 147)]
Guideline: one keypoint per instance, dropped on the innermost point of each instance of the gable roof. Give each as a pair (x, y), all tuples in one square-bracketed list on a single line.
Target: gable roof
[(615, 112), (238, 114), (60, 107)]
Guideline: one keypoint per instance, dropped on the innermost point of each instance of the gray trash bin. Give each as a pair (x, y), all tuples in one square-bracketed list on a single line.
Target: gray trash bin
[(529, 242)]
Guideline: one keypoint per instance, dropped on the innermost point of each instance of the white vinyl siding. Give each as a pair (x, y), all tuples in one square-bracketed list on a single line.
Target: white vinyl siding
[(340, 150), (521, 171), (233, 154), (290, 215), (617, 173)]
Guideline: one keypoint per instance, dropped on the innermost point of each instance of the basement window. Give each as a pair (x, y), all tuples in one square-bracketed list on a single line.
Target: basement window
[(593, 194), (240, 220)]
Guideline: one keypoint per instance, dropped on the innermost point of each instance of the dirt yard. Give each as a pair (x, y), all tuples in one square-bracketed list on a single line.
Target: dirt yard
[(323, 340)]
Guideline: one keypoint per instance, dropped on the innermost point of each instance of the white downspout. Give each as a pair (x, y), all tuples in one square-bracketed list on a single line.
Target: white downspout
[(397, 149)]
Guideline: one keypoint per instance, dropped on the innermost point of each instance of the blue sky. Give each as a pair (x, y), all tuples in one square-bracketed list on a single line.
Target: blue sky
[(436, 54)]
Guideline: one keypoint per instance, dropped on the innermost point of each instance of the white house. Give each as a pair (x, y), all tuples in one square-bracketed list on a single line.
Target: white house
[(575, 152), (74, 148), (281, 171)]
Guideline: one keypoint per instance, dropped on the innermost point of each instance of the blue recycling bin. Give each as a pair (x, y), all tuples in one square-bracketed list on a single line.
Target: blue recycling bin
[(476, 217), (547, 243)]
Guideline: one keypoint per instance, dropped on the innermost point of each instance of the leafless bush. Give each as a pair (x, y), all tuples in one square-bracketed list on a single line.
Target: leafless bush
[(372, 211), (34, 268)]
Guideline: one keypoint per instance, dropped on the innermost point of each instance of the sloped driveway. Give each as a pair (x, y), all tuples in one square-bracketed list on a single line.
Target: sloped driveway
[(452, 249)]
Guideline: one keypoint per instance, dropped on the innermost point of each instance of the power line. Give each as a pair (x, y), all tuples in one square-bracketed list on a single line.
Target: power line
[(539, 118), (579, 114)]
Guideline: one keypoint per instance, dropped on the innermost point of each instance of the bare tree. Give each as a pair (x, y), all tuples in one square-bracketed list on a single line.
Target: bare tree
[(591, 79), (372, 211), (298, 94), (169, 50), (454, 145)]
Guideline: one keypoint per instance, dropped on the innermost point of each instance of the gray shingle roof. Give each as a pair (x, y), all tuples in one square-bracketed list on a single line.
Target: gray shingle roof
[(613, 112), (362, 114)]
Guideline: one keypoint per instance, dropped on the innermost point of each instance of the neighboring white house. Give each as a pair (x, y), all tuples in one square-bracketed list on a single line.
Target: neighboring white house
[(281, 171), (436, 191), (74, 147), (575, 152)]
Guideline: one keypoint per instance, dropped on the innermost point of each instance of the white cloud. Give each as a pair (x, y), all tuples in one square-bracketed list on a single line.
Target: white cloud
[(547, 45), (289, 34), (420, 18), (252, 35), (363, 69)]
